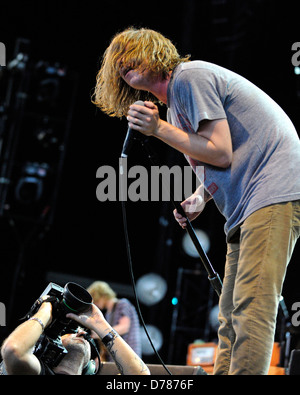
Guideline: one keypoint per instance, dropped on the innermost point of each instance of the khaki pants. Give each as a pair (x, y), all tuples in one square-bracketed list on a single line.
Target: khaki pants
[(254, 274)]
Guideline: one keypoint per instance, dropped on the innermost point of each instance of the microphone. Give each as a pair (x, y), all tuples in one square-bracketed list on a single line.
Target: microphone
[(129, 136)]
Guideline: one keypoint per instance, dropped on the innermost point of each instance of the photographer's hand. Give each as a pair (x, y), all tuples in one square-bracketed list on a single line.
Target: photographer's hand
[(46, 311), (91, 319), (127, 361)]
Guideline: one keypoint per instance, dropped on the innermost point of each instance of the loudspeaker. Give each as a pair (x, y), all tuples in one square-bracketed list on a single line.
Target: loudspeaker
[(110, 369), (294, 364)]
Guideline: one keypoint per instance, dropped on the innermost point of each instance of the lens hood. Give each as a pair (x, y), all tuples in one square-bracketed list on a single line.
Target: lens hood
[(76, 298)]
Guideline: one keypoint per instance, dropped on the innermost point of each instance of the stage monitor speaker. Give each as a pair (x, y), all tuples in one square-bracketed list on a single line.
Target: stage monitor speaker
[(294, 364), (110, 369)]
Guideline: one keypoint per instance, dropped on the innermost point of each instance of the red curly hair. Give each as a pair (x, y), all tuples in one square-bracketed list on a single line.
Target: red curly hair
[(135, 48)]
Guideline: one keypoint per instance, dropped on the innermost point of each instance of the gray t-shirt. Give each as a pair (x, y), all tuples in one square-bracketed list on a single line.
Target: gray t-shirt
[(266, 147)]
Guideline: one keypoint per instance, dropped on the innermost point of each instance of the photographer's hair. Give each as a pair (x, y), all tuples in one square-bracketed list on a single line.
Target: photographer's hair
[(138, 49), (100, 289)]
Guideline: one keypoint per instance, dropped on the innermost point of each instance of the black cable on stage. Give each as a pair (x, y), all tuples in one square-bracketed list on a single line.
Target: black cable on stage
[(132, 276)]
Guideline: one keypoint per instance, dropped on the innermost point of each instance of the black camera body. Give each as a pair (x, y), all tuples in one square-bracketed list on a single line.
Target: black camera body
[(71, 299)]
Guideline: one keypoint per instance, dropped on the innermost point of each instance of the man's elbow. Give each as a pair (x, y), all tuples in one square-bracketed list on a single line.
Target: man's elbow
[(146, 372), (10, 355), (15, 361), (10, 352), (224, 160)]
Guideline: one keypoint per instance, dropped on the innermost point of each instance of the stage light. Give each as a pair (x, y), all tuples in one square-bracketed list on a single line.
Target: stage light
[(151, 288), (188, 245), (156, 338), (29, 187), (213, 318), (297, 70), (174, 301)]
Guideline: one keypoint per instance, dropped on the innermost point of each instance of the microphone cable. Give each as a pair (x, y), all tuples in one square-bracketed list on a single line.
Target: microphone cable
[(129, 258)]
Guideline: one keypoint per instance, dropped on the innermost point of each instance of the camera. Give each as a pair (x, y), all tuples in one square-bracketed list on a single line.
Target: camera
[(71, 299)]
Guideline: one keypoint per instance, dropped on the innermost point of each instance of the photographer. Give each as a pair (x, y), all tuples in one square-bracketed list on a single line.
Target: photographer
[(17, 349)]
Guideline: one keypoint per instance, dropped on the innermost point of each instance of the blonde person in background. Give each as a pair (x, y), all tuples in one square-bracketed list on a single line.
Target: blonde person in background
[(119, 313)]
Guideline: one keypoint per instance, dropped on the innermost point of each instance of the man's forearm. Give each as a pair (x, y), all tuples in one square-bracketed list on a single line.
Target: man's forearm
[(20, 340), (195, 145), (17, 348), (127, 361)]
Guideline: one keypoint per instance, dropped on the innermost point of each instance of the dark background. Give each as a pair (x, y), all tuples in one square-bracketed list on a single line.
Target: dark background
[(86, 237)]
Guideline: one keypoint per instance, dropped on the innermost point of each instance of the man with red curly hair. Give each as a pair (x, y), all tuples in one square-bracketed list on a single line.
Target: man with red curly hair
[(250, 151)]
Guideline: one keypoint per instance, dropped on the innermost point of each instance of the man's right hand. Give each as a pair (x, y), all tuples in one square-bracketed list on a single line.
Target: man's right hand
[(89, 319), (192, 206)]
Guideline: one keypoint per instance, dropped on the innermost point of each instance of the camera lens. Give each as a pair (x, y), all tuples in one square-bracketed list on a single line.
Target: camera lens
[(76, 298)]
